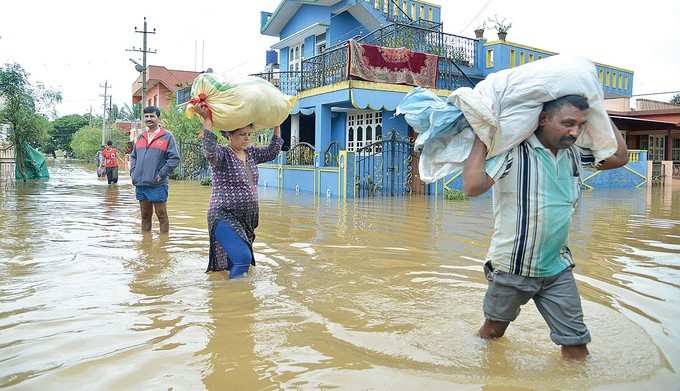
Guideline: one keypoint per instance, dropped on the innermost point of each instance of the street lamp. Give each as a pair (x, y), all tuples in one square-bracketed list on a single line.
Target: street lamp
[(138, 67)]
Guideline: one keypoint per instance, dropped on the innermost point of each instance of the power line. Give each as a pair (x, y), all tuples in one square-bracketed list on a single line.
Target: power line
[(476, 16), (144, 50)]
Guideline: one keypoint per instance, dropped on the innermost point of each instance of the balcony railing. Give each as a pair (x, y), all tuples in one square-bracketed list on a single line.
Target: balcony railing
[(330, 66), (287, 82), (460, 50)]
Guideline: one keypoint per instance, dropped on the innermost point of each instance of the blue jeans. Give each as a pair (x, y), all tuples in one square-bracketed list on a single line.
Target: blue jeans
[(238, 251)]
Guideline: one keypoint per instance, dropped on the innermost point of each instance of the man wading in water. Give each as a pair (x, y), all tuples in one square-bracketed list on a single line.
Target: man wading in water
[(535, 191)]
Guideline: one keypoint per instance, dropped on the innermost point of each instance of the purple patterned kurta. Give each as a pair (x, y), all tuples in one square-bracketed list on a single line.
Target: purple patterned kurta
[(234, 192)]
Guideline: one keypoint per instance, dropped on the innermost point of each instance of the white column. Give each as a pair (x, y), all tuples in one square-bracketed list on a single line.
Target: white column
[(294, 129)]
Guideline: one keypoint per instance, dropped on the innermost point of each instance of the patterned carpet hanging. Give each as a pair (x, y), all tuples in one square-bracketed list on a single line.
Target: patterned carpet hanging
[(392, 65)]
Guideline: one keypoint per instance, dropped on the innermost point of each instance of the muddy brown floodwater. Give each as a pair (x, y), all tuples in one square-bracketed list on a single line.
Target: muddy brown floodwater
[(371, 294)]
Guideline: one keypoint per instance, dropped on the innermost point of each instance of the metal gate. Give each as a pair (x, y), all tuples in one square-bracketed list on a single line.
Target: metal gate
[(384, 168), (193, 165)]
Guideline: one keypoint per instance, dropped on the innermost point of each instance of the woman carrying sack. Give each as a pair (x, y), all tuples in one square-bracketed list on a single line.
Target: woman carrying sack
[(233, 211)]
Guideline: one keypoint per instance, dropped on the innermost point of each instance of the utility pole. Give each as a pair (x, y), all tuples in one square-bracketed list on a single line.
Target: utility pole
[(106, 98), (144, 50)]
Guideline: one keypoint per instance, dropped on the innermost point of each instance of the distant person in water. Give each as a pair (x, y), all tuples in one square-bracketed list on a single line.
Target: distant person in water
[(110, 155), (233, 213)]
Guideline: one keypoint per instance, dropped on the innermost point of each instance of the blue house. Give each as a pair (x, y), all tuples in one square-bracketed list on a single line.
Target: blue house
[(342, 138)]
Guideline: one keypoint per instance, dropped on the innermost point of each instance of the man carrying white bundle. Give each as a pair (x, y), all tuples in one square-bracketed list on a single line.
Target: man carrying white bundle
[(536, 186)]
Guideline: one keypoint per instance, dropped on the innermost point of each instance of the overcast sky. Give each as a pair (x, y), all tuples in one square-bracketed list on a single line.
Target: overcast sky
[(75, 46)]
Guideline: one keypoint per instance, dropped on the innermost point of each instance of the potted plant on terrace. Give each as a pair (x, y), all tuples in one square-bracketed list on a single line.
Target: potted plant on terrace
[(502, 26), (479, 31)]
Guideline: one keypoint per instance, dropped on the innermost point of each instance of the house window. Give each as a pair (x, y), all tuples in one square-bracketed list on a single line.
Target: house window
[(295, 57), (531, 58), (675, 151), (620, 82), (512, 58), (363, 128), (656, 147), (522, 58), (489, 58), (430, 14), (422, 12), (607, 80), (155, 100), (625, 83), (601, 74)]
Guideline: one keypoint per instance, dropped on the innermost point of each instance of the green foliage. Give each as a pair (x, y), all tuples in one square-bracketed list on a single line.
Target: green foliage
[(183, 128), (129, 113), (64, 129), (501, 25), (21, 108), (87, 141), (207, 181), (675, 99), (454, 195)]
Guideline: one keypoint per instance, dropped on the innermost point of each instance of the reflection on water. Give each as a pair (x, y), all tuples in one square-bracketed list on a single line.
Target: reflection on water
[(369, 295)]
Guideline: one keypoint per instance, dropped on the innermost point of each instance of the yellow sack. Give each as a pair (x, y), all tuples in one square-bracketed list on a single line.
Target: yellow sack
[(236, 102)]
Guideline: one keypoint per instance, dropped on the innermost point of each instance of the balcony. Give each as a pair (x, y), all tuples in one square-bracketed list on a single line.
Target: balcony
[(330, 67)]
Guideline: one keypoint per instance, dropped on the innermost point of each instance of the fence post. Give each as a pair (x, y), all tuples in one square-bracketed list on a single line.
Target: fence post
[(667, 172)]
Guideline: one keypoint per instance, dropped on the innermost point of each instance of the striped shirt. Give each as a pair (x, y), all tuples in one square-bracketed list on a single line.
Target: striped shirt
[(534, 196)]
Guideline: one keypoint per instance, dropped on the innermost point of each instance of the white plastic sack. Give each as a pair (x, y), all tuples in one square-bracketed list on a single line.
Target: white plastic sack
[(503, 111), (235, 102)]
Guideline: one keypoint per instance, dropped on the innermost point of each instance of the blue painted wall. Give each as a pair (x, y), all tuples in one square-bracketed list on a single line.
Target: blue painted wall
[(391, 122), (343, 27), (306, 16), (615, 81), (268, 177), (338, 128), (620, 177), (283, 59), (328, 184), (310, 44)]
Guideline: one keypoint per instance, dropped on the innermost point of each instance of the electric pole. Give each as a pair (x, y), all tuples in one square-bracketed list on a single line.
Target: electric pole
[(144, 50), (106, 98)]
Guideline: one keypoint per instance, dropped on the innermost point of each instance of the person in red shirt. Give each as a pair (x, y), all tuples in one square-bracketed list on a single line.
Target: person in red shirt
[(111, 162)]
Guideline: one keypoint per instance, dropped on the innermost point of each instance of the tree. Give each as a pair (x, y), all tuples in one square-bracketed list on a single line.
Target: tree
[(128, 113), (183, 128), (22, 106), (675, 99), (65, 127), (87, 141)]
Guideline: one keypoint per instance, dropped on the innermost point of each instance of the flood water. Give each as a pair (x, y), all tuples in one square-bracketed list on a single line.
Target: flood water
[(376, 294)]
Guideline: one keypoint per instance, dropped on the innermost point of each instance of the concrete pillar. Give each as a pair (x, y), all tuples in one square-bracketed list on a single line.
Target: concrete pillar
[(322, 132), (667, 172), (294, 129)]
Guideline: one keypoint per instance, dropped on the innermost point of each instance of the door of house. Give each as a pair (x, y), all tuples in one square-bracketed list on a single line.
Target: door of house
[(656, 148)]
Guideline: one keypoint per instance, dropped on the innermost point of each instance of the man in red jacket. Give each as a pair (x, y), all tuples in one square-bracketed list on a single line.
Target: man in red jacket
[(111, 162)]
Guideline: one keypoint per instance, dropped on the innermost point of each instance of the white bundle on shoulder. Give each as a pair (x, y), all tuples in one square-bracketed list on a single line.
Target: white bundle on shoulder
[(503, 110)]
